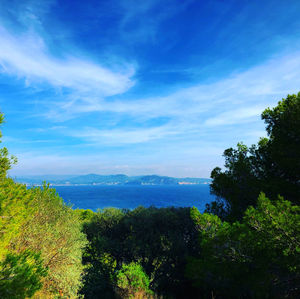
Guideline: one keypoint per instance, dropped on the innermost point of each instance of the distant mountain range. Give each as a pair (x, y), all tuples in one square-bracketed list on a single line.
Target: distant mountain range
[(116, 179)]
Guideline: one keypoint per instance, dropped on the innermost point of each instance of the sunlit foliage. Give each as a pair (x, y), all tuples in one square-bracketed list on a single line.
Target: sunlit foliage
[(132, 282)]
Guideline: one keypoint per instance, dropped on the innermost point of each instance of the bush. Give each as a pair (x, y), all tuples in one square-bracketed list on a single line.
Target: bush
[(132, 282)]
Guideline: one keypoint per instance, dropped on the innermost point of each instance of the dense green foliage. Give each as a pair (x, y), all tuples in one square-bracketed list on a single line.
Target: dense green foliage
[(255, 258), (271, 166), (38, 220), (21, 274), (160, 240)]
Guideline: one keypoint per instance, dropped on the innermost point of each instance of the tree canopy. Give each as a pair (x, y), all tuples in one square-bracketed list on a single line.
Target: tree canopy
[(160, 240), (271, 166), (255, 258)]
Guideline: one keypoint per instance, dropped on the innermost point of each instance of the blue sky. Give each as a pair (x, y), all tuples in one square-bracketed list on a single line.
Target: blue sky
[(141, 87)]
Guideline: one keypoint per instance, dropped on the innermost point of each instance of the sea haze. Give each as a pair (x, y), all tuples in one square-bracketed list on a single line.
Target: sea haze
[(132, 196)]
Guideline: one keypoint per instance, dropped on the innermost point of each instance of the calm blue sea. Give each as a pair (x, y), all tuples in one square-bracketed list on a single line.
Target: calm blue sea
[(130, 197)]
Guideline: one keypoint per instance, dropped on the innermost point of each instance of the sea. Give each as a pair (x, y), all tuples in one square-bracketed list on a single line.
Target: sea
[(131, 196)]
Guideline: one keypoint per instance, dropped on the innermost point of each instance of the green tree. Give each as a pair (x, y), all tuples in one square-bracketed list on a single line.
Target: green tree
[(38, 220), (6, 160), (16, 208), (54, 230), (21, 274), (256, 258), (99, 256), (271, 166), (38, 231), (282, 166)]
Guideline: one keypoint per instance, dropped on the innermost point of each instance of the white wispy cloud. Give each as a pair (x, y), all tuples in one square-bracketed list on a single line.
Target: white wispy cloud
[(240, 115), (12, 140), (123, 136), (238, 99), (260, 85), (26, 56)]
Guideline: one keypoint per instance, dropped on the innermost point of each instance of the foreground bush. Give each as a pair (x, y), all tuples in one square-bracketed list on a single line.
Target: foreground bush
[(132, 282), (38, 220)]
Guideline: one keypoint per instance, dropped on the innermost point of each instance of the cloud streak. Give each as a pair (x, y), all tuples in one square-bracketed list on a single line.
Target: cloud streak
[(238, 99), (27, 57), (146, 17)]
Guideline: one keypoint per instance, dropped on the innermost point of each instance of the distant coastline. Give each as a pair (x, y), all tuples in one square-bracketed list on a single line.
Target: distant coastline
[(117, 179)]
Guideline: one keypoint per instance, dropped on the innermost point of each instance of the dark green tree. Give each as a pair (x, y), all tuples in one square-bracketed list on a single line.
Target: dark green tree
[(160, 240), (258, 257), (271, 166), (282, 151)]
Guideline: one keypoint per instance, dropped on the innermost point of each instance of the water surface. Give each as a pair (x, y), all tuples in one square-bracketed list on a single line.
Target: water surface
[(130, 197)]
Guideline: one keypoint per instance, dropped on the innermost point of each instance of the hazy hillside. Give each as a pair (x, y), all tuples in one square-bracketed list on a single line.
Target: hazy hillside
[(117, 179)]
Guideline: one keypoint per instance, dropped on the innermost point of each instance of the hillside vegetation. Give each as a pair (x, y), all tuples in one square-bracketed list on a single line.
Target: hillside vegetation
[(245, 245)]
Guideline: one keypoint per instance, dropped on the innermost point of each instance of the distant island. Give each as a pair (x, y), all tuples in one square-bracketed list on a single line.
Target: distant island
[(116, 179)]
